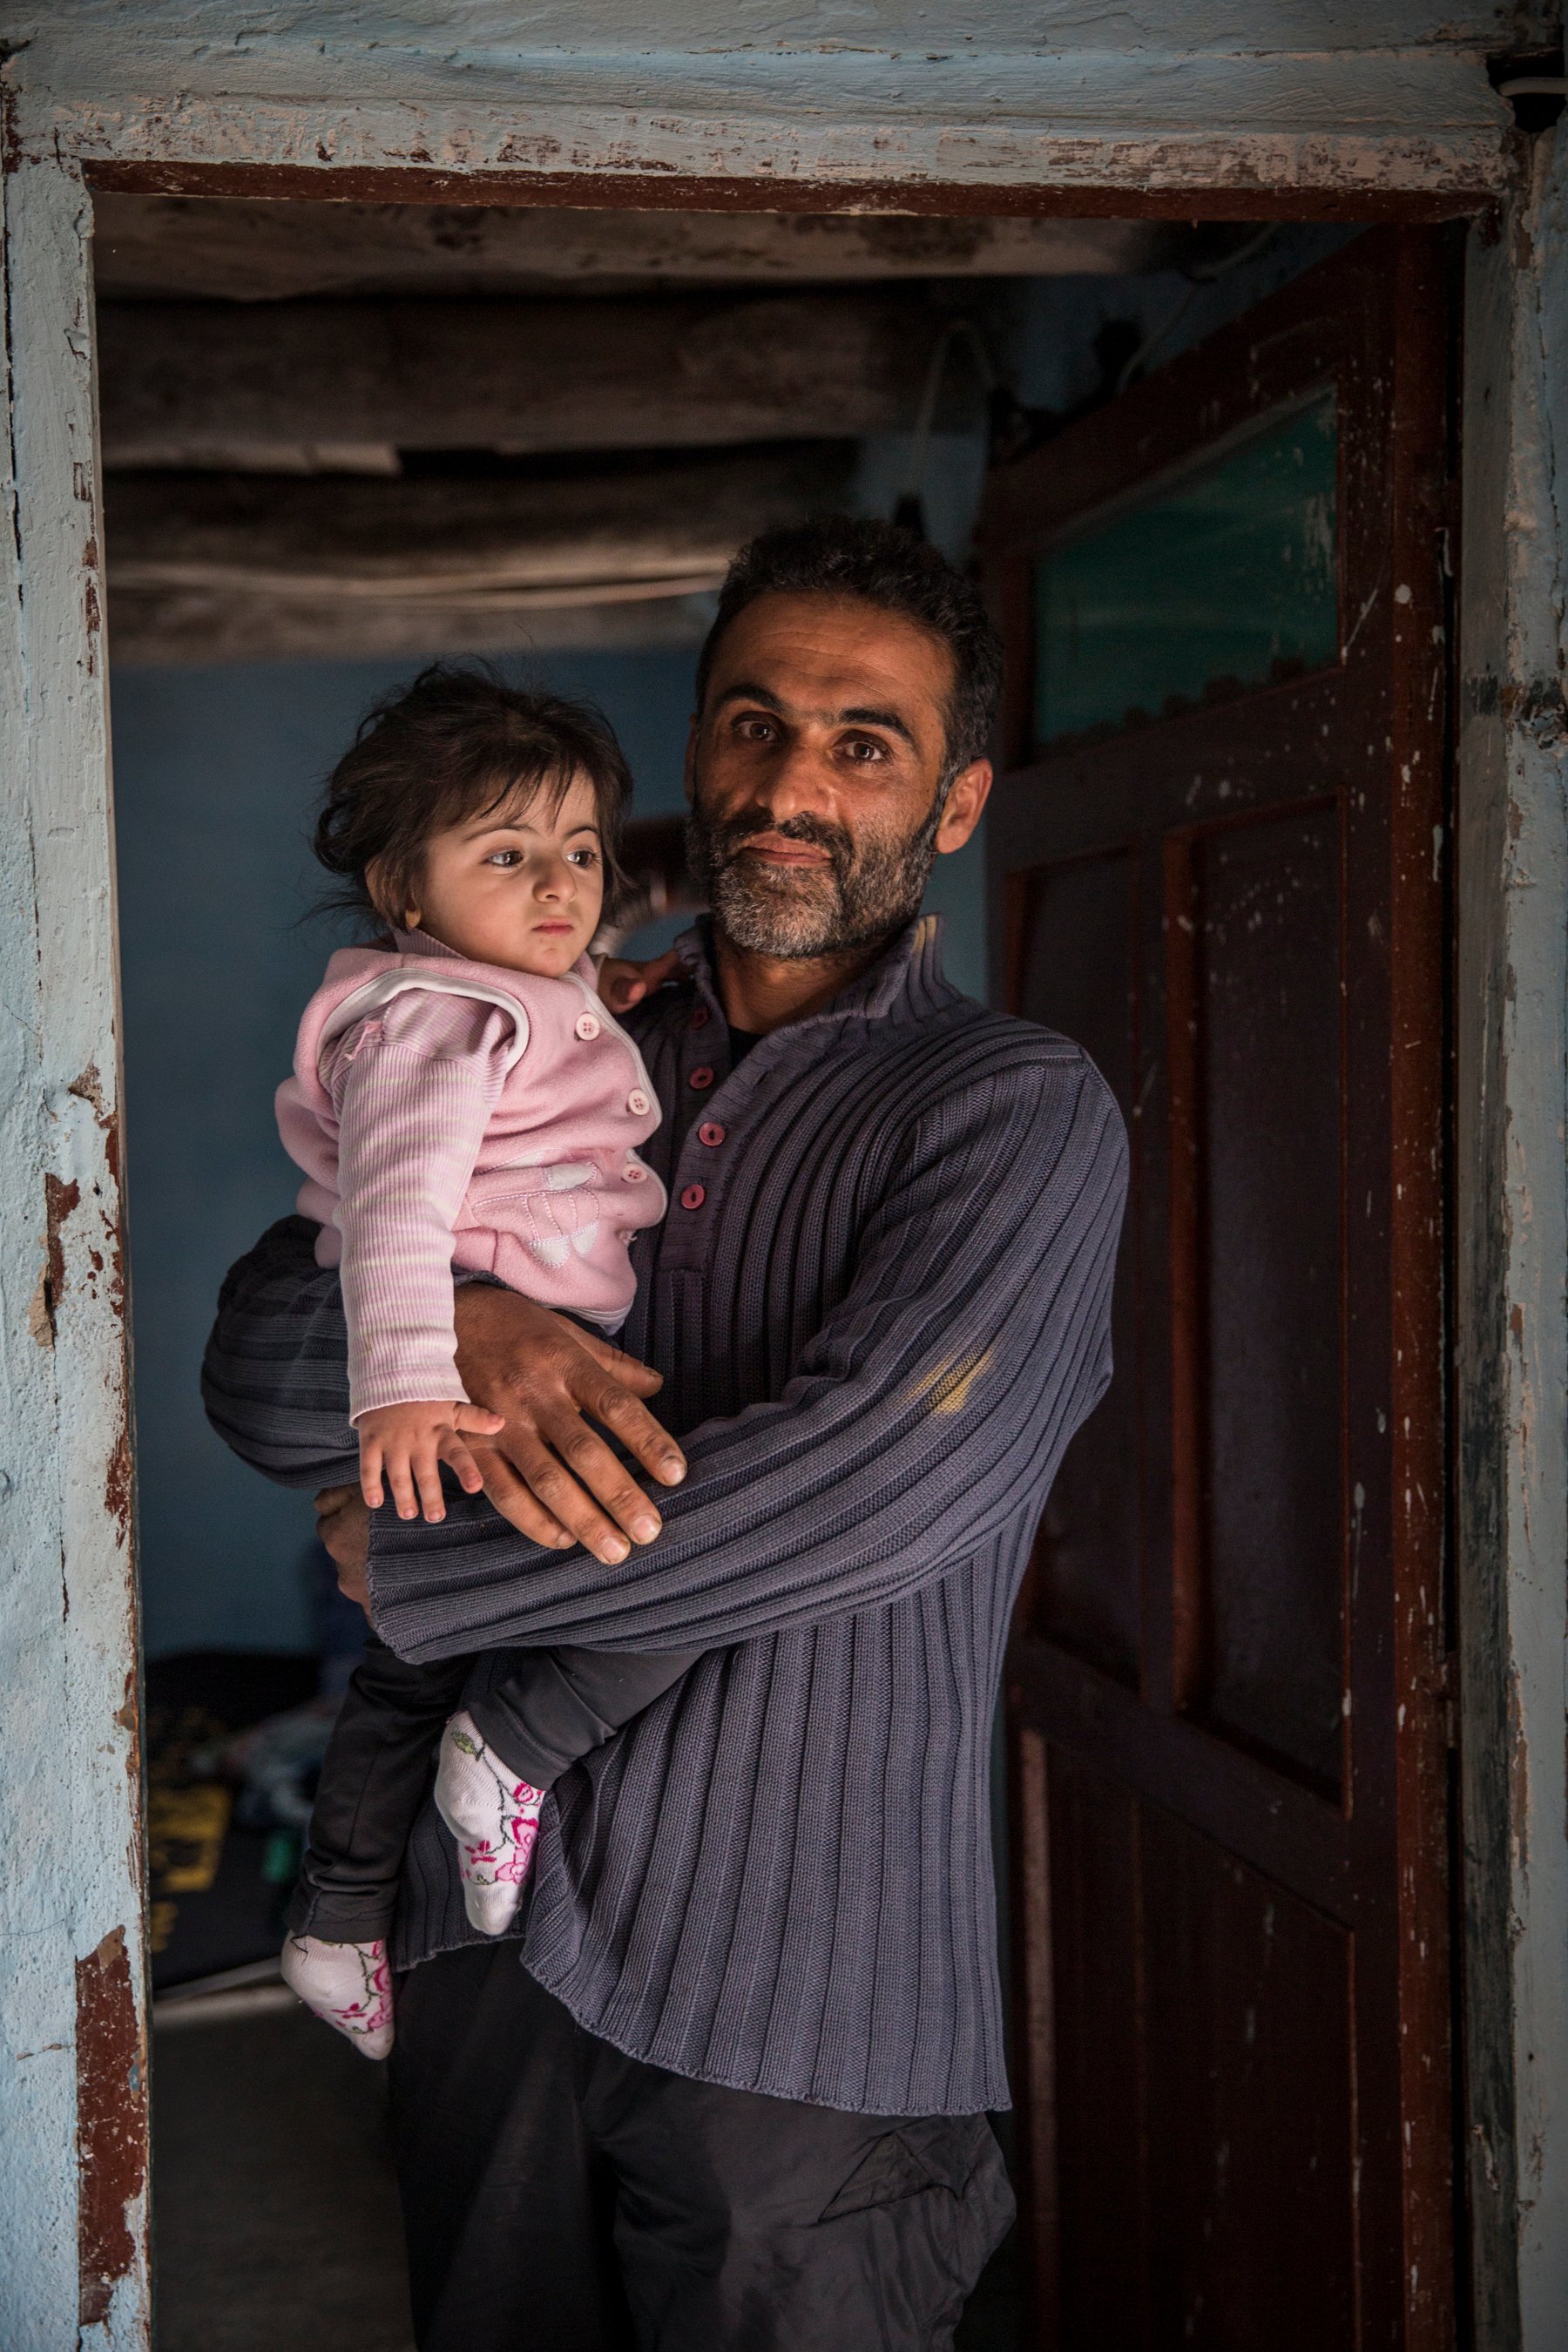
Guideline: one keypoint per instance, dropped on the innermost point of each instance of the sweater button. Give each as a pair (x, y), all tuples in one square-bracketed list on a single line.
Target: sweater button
[(711, 1133), (637, 1103), (588, 1028), (700, 1079), (693, 1196), (635, 1172), (699, 1017)]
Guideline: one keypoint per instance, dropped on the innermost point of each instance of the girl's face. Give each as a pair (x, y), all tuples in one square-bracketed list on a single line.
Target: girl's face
[(520, 886)]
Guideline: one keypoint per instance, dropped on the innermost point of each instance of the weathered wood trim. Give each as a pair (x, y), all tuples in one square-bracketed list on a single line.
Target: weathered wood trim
[(194, 249), (1512, 1255), (1218, 192), (72, 2233), (1418, 950)]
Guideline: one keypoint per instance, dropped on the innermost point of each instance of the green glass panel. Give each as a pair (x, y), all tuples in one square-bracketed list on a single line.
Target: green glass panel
[(1221, 579)]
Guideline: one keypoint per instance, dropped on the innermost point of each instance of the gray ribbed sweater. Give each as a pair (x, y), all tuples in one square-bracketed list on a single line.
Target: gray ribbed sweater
[(880, 1304)]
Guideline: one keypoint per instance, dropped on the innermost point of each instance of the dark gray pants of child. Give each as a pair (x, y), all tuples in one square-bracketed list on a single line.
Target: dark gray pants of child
[(542, 1713)]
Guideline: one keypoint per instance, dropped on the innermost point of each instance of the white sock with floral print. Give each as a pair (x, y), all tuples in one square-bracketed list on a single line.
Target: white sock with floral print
[(494, 1817), (349, 1985)]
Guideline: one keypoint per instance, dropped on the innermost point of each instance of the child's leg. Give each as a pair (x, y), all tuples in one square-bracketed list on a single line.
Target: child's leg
[(544, 1710), (527, 1716), (373, 1780)]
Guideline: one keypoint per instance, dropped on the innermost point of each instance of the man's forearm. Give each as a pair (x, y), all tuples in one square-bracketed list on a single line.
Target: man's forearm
[(275, 1388), (933, 1406)]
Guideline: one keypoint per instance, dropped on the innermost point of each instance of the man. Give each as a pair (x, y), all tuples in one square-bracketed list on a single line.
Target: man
[(734, 2094)]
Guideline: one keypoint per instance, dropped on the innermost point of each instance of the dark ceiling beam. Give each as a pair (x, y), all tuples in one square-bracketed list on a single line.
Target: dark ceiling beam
[(220, 383), (178, 631), (229, 249), (222, 567)]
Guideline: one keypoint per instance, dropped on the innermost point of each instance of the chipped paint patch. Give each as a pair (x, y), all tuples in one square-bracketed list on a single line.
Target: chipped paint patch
[(112, 2124), (41, 1321), (61, 1200), (118, 1485), (88, 1088)]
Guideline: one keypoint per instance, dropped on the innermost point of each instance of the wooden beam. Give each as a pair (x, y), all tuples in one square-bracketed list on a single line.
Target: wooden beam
[(189, 384), (181, 246), (204, 630), (225, 567)]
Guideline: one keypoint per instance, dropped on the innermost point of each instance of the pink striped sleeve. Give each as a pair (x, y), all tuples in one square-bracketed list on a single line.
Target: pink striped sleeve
[(414, 1088)]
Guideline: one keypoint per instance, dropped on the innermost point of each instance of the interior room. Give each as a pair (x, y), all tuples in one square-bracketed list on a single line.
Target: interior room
[(342, 440)]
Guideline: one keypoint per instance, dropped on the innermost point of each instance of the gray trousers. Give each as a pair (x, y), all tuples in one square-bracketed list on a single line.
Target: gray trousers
[(559, 2196)]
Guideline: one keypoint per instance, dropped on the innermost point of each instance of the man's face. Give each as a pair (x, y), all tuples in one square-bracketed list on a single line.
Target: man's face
[(813, 774)]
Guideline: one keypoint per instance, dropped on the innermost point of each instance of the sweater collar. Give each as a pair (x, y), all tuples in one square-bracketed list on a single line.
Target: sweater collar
[(905, 979), (420, 943)]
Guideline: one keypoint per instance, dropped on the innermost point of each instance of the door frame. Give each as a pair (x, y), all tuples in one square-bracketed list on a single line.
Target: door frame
[(72, 1994)]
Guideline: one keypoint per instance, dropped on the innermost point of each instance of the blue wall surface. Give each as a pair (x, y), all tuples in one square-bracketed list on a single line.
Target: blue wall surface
[(216, 772)]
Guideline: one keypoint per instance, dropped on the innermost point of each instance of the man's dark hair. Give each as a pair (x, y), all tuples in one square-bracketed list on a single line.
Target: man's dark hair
[(455, 744), (897, 572)]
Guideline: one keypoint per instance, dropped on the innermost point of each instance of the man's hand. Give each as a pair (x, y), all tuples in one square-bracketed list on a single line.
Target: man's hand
[(623, 984), (342, 1523), (547, 1471)]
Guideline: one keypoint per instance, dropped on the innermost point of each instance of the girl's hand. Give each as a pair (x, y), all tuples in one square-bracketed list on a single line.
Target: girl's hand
[(404, 1445), (623, 984)]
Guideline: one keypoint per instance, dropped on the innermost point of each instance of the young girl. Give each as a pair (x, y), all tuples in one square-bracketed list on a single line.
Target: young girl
[(460, 1098)]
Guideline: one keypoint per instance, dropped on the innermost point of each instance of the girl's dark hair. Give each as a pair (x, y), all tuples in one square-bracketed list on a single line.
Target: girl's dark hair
[(455, 744)]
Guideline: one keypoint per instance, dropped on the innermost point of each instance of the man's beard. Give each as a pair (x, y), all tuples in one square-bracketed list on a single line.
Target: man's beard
[(863, 895)]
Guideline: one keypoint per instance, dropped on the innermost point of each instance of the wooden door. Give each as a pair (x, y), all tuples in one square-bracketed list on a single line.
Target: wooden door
[(1219, 861)]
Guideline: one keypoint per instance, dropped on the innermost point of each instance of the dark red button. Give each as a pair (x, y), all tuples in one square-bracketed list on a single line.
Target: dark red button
[(700, 1079), (693, 1196), (711, 1134), (699, 1017)]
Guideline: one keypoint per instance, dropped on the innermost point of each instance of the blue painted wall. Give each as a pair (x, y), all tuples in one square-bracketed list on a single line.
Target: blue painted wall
[(215, 775)]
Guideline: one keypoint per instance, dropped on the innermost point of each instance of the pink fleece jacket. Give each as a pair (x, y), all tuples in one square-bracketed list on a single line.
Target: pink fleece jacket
[(448, 1113)]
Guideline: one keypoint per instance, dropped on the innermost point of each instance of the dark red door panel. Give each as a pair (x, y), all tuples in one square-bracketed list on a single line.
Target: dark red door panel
[(1218, 863)]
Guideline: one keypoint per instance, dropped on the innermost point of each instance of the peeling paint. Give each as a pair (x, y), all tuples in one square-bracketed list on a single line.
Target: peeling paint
[(1518, 1779), (128, 1715), (111, 2123), (60, 1202), (119, 1484), (40, 1319), (72, 2154)]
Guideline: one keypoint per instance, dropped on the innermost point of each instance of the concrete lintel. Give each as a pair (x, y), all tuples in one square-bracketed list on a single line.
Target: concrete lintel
[(1099, 103)]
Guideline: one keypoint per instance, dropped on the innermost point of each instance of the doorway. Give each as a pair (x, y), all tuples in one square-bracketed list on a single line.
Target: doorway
[(213, 526)]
